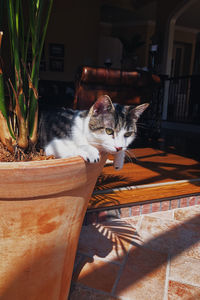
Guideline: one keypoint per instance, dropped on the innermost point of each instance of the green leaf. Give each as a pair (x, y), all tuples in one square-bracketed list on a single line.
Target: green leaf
[(2, 97), (3, 105), (37, 51), (23, 29)]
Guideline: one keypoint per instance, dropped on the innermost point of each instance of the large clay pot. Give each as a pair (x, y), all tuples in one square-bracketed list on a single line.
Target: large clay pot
[(42, 206)]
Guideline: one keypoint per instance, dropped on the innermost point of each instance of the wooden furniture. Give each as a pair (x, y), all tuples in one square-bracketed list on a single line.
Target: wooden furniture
[(124, 87)]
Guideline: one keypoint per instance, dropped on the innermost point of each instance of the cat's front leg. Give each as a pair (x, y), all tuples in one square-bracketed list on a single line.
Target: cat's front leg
[(89, 153)]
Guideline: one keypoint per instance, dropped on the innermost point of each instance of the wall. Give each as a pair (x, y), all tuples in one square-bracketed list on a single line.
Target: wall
[(128, 31), (110, 48), (74, 23)]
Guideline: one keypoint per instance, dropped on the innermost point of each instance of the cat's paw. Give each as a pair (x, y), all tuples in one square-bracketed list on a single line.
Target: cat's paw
[(89, 154)]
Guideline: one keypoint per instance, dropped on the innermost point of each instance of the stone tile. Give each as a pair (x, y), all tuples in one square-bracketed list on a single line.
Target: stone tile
[(180, 291), (103, 248), (197, 199), (146, 208), (135, 210), (192, 201), (99, 275), (165, 205), (183, 202), (125, 212), (143, 276), (156, 207), (163, 214), (79, 292), (190, 214), (134, 221), (108, 241), (185, 269), (170, 236), (174, 203), (80, 261)]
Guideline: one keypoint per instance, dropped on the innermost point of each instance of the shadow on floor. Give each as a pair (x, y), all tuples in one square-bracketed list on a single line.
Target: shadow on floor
[(172, 141), (172, 242)]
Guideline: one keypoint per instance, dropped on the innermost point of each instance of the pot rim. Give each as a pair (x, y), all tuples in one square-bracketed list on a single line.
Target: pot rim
[(42, 163)]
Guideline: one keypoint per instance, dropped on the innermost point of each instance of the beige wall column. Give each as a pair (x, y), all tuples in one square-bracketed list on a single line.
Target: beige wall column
[(167, 14), (166, 63)]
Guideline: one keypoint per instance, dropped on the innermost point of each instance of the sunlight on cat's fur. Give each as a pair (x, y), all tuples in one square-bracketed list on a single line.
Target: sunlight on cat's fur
[(105, 127)]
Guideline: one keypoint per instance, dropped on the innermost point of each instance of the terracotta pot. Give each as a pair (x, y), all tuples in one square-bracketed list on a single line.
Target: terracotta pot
[(42, 206)]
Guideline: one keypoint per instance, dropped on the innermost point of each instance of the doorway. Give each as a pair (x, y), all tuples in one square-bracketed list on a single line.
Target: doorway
[(181, 59)]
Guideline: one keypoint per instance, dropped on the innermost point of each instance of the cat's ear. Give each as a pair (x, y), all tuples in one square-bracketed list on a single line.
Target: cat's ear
[(102, 105), (138, 110)]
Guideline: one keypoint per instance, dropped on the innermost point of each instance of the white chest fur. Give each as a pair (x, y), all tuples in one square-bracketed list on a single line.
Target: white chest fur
[(76, 145)]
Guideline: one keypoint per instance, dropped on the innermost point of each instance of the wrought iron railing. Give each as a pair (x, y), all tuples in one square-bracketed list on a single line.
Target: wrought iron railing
[(184, 99)]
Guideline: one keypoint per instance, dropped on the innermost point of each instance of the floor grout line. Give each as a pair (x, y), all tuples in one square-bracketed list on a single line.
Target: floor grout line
[(165, 297), (184, 282), (122, 267), (117, 279), (120, 271), (138, 225), (99, 292), (107, 260), (173, 210), (119, 275), (124, 260)]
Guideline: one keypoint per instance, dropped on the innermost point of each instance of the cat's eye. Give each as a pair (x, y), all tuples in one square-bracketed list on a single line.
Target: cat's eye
[(129, 133), (109, 131)]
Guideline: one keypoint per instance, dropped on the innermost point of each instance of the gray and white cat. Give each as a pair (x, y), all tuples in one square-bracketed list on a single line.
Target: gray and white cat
[(105, 127)]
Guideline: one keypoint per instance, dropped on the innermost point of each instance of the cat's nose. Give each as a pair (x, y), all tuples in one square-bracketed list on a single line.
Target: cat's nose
[(118, 148)]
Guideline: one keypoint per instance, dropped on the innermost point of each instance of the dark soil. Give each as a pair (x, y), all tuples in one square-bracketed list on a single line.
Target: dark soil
[(19, 155)]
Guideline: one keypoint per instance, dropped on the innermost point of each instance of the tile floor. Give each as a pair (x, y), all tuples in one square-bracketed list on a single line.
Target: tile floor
[(154, 256)]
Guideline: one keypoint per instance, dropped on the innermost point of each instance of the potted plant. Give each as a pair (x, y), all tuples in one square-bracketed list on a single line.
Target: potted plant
[(42, 203)]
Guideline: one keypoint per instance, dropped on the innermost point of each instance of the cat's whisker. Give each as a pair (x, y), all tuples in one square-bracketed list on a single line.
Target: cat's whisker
[(95, 143), (67, 133), (141, 126), (128, 155), (134, 155), (139, 123)]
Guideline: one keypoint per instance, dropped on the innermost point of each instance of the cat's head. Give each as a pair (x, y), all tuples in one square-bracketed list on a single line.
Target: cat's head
[(113, 126)]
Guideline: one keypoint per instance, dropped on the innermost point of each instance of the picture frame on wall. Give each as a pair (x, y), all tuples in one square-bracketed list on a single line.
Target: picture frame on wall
[(56, 57), (56, 65), (57, 50)]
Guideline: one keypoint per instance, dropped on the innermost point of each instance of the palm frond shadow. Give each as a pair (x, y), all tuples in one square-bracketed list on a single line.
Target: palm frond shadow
[(168, 244), (116, 237), (107, 182), (170, 170)]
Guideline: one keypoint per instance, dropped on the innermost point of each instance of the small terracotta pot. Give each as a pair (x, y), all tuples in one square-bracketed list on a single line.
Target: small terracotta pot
[(42, 206)]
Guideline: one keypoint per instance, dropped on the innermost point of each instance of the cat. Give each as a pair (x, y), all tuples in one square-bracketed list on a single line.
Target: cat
[(105, 127)]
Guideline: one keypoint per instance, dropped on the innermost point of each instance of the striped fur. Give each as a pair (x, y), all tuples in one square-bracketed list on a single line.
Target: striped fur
[(105, 127)]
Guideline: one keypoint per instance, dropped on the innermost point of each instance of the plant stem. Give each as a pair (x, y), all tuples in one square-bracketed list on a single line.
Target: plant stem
[(5, 134)]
